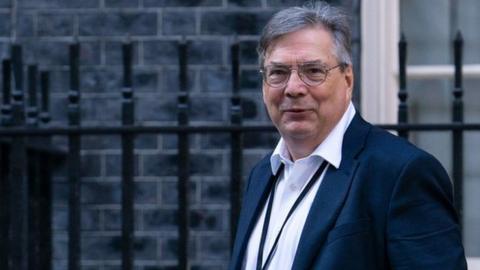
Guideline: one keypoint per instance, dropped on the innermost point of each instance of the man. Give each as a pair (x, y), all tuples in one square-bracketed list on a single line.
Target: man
[(336, 193)]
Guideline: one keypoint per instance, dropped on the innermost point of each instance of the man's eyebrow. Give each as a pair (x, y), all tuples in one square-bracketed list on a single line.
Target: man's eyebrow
[(279, 64), (313, 62)]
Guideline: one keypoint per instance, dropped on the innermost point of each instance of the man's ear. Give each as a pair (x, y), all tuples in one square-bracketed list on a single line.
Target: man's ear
[(349, 80)]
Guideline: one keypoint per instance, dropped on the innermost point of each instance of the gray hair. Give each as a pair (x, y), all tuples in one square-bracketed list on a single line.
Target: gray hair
[(311, 14)]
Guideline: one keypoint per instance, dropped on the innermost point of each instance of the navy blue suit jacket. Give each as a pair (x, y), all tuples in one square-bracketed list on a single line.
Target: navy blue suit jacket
[(388, 206)]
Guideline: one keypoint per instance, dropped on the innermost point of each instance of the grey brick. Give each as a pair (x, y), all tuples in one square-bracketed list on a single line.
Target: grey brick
[(250, 80), (160, 219), (25, 25), (169, 249), (163, 267), (286, 3), (248, 52), (145, 81), (214, 247), (60, 193), (113, 219), (250, 160), (5, 3), (60, 264), (59, 81), (101, 80), (179, 23), (207, 220), (118, 24), (101, 193), (5, 24), (206, 164), (171, 81), (215, 192), (60, 247), (90, 53), (260, 140), (250, 108), (169, 141), (58, 108), (102, 142), (205, 52), (245, 3), (215, 141), (160, 52), (209, 266), (233, 22), (207, 109), (90, 166), (170, 195), (122, 3), (91, 267), (90, 219), (146, 192), (51, 53), (55, 24), (181, 3), (58, 4), (198, 52), (46, 52), (100, 109), (109, 247), (113, 52), (4, 47), (146, 141), (216, 80), (60, 218), (156, 108), (113, 165), (160, 165)]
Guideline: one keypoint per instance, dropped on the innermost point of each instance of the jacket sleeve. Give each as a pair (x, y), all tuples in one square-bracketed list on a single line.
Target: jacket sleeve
[(422, 225)]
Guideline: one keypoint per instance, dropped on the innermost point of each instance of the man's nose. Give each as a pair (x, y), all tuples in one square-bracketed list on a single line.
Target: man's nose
[(295, 85)]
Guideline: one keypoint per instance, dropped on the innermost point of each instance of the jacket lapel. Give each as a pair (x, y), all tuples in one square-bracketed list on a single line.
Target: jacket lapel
[(330, 196), (254, 200)]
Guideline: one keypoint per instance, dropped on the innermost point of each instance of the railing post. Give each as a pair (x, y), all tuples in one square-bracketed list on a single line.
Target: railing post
[(33, 172), (6, 109), (402, 93), (5, 120), (127, 161), (183, 161), (18, 244), (45, 200), (32, 109), (236, 159), (74, 239), (457, 117)]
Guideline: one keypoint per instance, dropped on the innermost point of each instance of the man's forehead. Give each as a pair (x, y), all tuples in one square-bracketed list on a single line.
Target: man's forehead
[(307, 44)]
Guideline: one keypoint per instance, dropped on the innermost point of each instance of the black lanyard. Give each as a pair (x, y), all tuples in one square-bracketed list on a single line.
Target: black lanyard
[(269, 211)]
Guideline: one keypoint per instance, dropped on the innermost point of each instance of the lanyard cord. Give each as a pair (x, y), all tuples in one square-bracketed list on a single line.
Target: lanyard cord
[(269, 212)]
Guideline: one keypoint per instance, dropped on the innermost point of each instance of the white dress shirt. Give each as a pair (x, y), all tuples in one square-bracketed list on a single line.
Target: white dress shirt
[(291, 183)]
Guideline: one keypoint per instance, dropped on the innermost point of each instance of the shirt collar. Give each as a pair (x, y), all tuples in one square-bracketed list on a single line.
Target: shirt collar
[(330, 149)]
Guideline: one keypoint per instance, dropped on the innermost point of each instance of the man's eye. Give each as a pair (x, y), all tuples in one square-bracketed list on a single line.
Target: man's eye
[(277, 72), (314, 71)]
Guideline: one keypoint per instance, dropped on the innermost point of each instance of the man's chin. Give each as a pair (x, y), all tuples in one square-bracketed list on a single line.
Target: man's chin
[(297, 132)]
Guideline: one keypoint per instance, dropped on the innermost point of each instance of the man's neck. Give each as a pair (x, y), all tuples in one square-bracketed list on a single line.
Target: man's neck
[(300, 148)]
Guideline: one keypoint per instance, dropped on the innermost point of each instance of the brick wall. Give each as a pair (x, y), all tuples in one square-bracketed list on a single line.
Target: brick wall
[(47, 27)]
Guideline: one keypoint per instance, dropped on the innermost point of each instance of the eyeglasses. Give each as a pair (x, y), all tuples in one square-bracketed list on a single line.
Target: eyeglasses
[(312, 74)]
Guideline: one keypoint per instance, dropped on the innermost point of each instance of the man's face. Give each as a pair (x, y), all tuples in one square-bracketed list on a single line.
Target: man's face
[(301, 112)]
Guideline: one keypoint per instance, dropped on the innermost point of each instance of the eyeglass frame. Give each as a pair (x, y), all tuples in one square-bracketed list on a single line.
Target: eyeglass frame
[(300, 75)]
